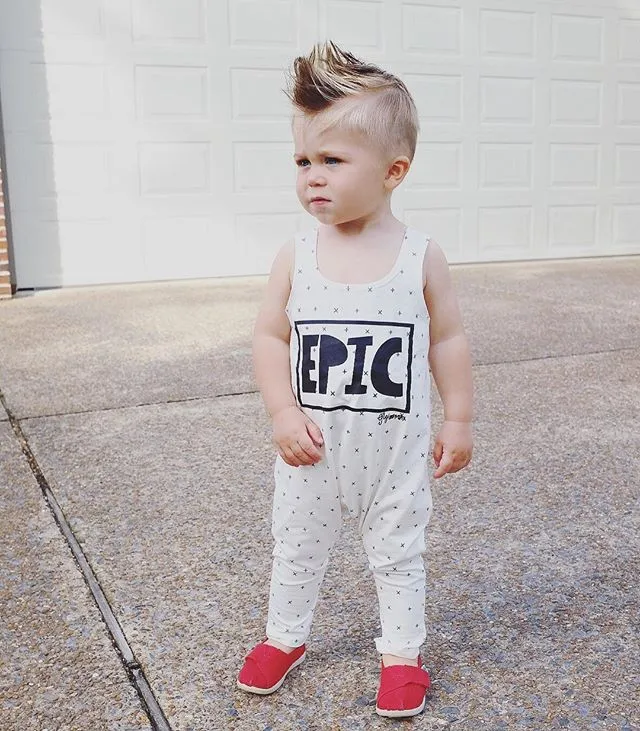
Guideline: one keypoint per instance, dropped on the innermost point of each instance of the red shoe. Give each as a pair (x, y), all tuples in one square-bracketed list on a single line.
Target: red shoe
[(402, 691), (266, 667)]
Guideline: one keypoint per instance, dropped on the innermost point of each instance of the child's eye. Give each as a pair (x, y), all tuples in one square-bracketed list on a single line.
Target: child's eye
[(331, 160), (302, 163)]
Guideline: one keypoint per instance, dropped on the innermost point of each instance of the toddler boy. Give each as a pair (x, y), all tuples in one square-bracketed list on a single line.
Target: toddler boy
[(356, 313)]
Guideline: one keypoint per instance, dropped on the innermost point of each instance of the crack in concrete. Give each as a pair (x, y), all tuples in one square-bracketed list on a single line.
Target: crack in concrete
[(134, 671)]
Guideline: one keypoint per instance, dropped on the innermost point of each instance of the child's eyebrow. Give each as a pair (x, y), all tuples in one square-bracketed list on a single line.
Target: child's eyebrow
[(329, 153), (321, 153)]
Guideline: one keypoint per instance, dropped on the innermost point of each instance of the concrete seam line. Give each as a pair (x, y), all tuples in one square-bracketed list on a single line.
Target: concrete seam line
[(137, 406), (131, 665), (153, 707), (555, 356)]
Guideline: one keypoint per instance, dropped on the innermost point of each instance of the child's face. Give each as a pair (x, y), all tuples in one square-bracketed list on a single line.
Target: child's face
[(341, 178)]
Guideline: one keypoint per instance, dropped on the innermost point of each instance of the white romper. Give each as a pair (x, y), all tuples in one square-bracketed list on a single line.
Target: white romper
[(359, 369)]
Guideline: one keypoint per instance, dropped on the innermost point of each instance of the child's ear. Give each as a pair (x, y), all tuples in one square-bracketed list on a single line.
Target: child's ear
[(396, 172)]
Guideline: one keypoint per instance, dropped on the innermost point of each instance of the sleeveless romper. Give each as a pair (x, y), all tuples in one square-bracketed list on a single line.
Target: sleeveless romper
[(359, 370)]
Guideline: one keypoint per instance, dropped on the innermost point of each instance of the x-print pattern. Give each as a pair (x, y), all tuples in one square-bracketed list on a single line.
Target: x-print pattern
[(375, 459)]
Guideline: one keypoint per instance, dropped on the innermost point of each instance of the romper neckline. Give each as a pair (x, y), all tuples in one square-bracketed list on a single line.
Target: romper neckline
[(391, 274)]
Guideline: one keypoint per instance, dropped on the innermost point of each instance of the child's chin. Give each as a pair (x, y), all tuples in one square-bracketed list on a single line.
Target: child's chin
[(324, 217)]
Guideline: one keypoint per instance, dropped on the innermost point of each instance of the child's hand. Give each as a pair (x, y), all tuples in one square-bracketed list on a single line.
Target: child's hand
[(453, 447), (297, 438)]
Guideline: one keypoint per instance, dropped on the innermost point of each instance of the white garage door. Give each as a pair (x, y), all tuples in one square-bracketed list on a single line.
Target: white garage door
[(149, 139)]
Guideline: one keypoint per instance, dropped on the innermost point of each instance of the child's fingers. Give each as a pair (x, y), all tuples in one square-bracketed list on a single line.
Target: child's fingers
[(437, 452), (310, 449), (314, 432), (287, 457), (444, 466), (300, 454), (293, 455)]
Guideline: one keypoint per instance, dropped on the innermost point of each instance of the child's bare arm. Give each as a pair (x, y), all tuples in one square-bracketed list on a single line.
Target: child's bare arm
[(271, 337), (297, 438), (450, 361)]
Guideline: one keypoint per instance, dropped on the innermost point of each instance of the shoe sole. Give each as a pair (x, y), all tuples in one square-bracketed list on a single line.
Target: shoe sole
[(405, 713), (267, 691)]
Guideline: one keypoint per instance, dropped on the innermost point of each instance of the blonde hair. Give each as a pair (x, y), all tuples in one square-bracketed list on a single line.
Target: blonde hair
[(339, 90)]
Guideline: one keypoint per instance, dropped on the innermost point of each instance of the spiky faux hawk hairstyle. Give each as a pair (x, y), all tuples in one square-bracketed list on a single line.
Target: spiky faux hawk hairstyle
[(386, 113)]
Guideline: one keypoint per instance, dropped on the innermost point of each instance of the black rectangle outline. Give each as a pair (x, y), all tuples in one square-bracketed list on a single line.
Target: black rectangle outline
[(408, 325)]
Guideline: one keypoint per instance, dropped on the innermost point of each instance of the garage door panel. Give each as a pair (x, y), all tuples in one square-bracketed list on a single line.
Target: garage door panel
[(263, 167), (573, 227), (263, 23), (576, 102), (433, 29), (627, 166), (175, 168), (26, 175), (74, 175), (628, 107), (98, 250), (72, 168), (575, 165), (62, 252), (438, 97), (172, 93), (626, 228), (256, 95), (22, 26), (165, 21), (355, 24), (73, 19), (577, 38), (70, 90), (38, 255), (171, 244), (628, 37), (508, 34), (505, 231), (18, 108)]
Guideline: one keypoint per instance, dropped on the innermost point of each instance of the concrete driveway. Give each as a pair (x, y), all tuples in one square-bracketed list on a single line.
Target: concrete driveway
[(135, 492)]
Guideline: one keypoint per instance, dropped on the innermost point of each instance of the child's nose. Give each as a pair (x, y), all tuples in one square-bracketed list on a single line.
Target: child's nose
[(315, 176)]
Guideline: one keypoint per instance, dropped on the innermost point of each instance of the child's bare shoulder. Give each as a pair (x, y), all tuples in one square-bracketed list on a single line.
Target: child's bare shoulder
[(272, 316), (282, 267), (435, 268)]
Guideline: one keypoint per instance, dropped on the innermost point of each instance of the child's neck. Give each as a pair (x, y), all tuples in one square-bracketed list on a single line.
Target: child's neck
[(382, 223)]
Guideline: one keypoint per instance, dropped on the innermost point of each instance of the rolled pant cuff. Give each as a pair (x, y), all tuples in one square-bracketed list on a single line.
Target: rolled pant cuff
[(290, 639), (387, 648)]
